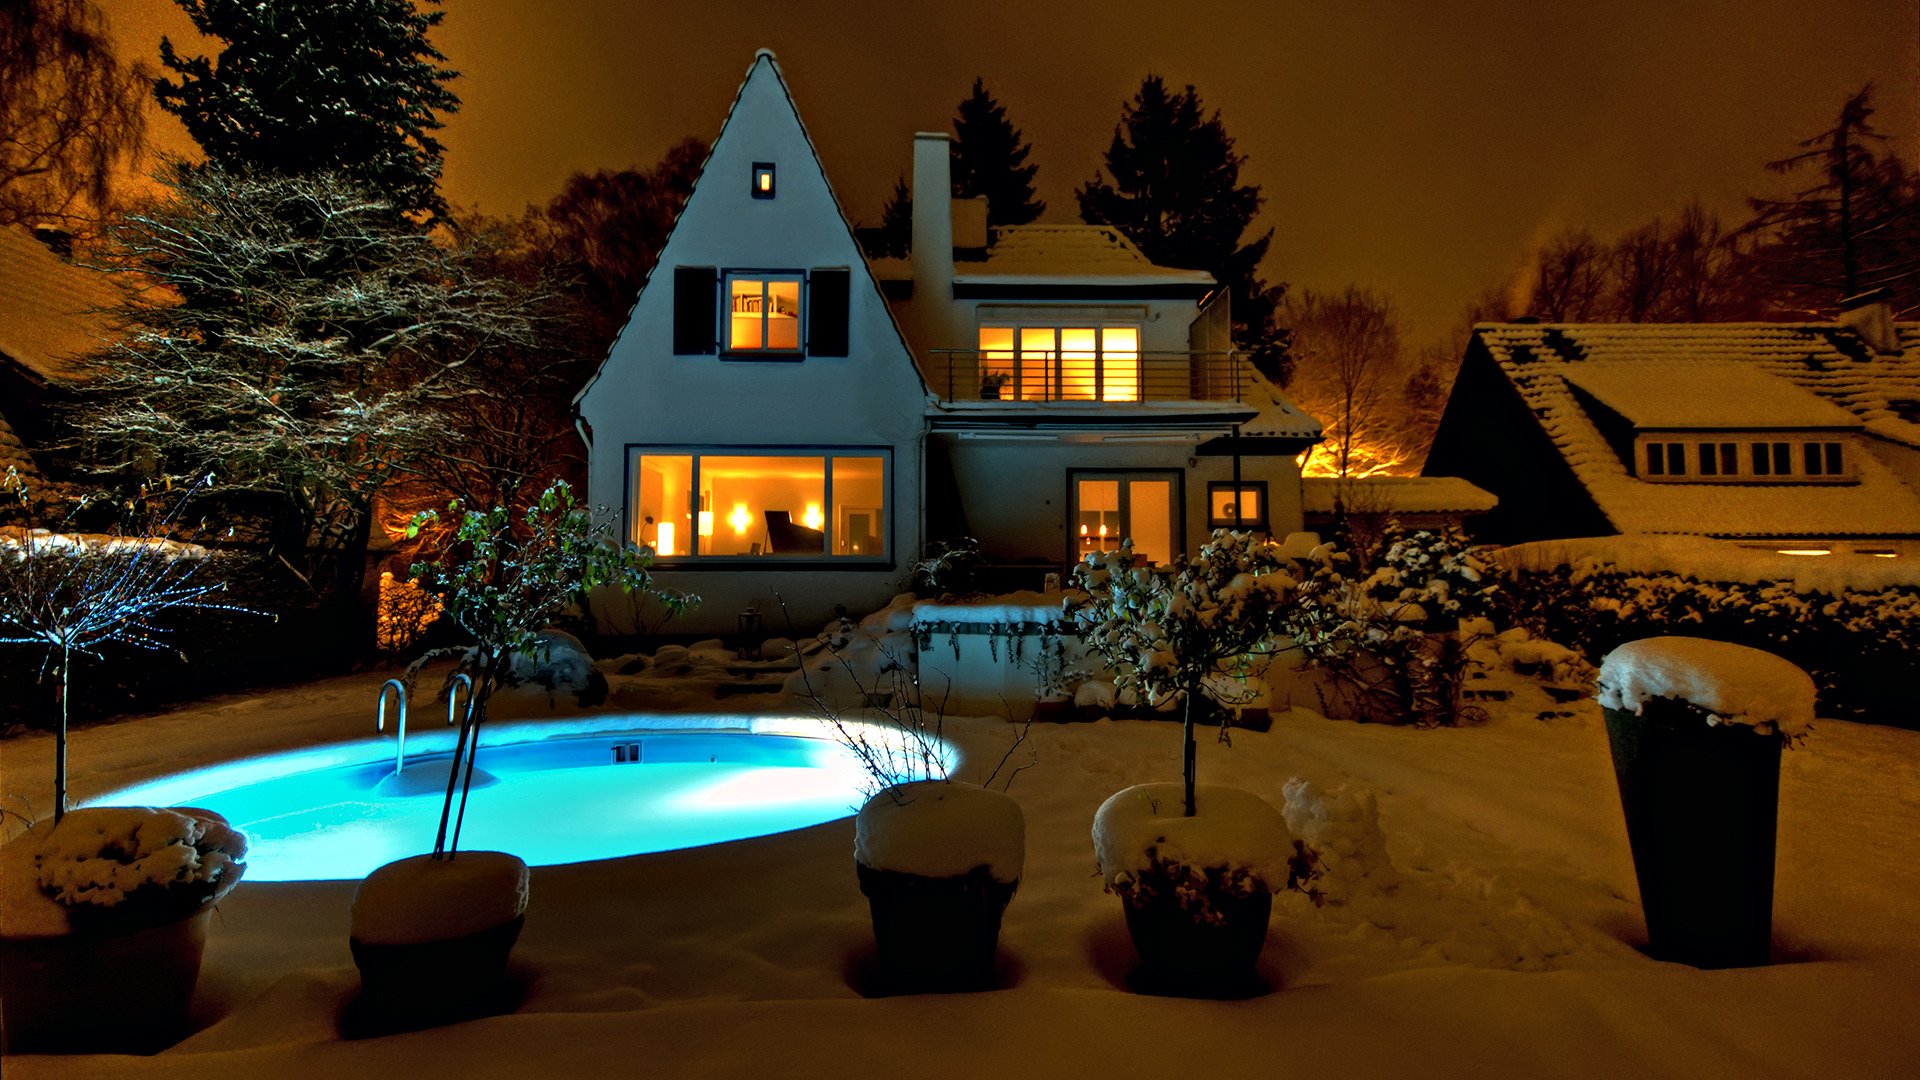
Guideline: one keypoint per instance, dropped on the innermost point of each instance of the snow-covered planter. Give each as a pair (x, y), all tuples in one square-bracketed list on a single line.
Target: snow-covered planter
[(1696, 727), (103, 922), (431, 937), (939, 862), (1197, 889)]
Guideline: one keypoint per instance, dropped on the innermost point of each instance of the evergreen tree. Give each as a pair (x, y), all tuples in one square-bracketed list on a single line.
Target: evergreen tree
[(1857, 227), (1175, 191), (71, 113), (893, 237), (308, 86), (990, 158)]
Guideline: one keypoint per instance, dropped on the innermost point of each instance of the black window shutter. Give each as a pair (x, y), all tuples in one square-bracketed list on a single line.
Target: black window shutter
[(694, 318), (827, 291)]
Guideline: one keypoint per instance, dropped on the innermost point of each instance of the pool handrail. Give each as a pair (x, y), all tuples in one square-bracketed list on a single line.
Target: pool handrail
[(380, 721), (460, 678)]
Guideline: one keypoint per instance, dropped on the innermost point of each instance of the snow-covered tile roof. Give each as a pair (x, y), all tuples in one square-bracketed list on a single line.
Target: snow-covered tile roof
[(48, 306), (1395, 495), (1070, 255), (1709, 394), (1830, 361), (1276, 417)]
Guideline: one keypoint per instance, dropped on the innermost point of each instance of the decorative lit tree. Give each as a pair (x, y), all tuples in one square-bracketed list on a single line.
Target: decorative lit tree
[(503, 579), (1167, 631), (71, 595)]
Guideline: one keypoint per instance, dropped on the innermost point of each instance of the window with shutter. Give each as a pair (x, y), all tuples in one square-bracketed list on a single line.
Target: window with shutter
[(827, 312), (695, 320)]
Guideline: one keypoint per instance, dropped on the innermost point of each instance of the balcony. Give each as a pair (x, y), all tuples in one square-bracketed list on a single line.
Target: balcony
[(970, 374)]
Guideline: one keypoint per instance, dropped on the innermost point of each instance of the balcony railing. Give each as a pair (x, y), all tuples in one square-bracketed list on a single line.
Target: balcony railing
[(972, 375)]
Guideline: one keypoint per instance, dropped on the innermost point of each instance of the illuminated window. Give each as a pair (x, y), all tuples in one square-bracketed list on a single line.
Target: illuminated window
[(763, 179), (763, 313), (1141, 506), (1060, 363), (748, 503), (1247, 510)]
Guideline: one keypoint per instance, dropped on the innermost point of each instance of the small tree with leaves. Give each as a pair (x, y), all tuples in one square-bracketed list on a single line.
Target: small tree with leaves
[(503, 578), (1183, 630), (70, 595)]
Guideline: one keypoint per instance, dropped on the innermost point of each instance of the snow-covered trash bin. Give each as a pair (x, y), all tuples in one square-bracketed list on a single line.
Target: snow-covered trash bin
[(103, 923), (1696, 728), (939, 862), (431, 936)]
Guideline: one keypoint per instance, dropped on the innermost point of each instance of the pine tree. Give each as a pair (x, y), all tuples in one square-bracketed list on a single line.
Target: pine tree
[(308, 86), (1857, 227), (1176, 192), (893, 237), (990, 158)]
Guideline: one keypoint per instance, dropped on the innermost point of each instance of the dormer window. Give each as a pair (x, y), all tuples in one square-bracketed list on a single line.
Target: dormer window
[(763, 313), (763, 179)]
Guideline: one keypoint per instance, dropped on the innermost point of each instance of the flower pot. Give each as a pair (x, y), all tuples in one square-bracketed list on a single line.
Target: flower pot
[(429, 983), (1199, 956), (100, 991), (936, 933), (938, 863), (1701, 810), (432, 936)]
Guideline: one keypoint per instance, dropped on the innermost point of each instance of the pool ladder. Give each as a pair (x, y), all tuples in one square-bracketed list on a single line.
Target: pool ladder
[(455, 693)]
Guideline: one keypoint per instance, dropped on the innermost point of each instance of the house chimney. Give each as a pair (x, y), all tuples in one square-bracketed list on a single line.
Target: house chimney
[(970, 228), (1870, 315), (933, 235)]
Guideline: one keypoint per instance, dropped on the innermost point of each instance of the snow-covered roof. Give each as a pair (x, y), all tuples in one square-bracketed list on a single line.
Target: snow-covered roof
[(1828, 360), (1395, 495), (1708, 394), (1275, 416), (1070, 255), (49, 308)]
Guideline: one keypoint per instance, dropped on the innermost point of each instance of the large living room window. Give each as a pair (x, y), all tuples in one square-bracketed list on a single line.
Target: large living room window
[(753, 502), (763, 313), (1060, 363)]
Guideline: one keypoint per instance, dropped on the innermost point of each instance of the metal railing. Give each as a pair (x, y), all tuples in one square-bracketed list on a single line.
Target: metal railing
[(459, 691), (970, 375)]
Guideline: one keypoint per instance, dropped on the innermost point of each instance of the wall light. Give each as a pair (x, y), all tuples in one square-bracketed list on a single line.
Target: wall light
[(1804, 551), (739, 519), (813, 517)]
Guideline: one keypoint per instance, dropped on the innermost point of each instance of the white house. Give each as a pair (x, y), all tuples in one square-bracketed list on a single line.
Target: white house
[(780, 416)]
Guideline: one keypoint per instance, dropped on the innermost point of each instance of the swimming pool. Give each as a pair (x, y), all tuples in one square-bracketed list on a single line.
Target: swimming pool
[(340, 812)]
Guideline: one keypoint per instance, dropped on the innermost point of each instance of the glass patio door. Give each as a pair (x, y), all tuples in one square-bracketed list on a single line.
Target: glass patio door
[(1109, 507)]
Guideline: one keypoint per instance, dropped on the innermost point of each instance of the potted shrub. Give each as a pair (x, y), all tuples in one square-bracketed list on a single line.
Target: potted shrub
[(103, 921), (432, 933), (88, 896), (1696, 728), (938, 859), (1195, 867), (991, 383)]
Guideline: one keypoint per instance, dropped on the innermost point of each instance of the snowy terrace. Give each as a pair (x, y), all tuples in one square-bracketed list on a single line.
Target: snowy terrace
[(1485, 924)]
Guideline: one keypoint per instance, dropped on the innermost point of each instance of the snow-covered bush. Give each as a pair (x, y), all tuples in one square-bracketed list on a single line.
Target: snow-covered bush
[(1166, 630), (117, 867), (1397, 641), (946, 568), (1862, 647)]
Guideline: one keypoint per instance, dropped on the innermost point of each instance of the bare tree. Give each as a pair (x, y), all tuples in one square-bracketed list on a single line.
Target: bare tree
[(1569, 278), (72, 114), (1349, 373)]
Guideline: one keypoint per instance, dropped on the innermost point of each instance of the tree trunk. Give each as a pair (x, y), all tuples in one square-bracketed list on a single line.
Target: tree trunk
[(1186, 725), (477, 710), (60, 735)]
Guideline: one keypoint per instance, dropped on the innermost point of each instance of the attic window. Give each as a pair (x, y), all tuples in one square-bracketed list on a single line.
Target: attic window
[(763, 179)]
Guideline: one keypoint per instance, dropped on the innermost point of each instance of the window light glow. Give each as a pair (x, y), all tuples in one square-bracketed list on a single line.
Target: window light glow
[(706, 523), (739, 519), (812, 518), (664, 537), (1805, 551)]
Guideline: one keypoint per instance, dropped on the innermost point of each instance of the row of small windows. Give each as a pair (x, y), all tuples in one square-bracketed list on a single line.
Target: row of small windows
[(1721, 459)]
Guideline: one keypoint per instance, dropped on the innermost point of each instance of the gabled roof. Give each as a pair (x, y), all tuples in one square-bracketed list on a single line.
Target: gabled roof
[(1394, 494), (49, 308), (1707, 394), (1544, 361)]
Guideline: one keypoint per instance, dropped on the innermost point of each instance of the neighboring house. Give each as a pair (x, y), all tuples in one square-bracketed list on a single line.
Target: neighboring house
[(50, 315), (1801, 437), (780, 416), (1415, 502)]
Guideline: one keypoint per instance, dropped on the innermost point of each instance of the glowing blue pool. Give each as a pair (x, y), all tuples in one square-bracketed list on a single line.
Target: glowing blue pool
[(562, 799)]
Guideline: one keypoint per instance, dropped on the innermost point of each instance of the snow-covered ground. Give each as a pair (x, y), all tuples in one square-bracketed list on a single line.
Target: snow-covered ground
[(1498, 941)]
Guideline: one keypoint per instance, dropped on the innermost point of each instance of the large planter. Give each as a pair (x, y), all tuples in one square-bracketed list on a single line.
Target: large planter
[(96, 991), (1197, 892), (1700, 804), (432, 938), (1696, 728), (939, 862)]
